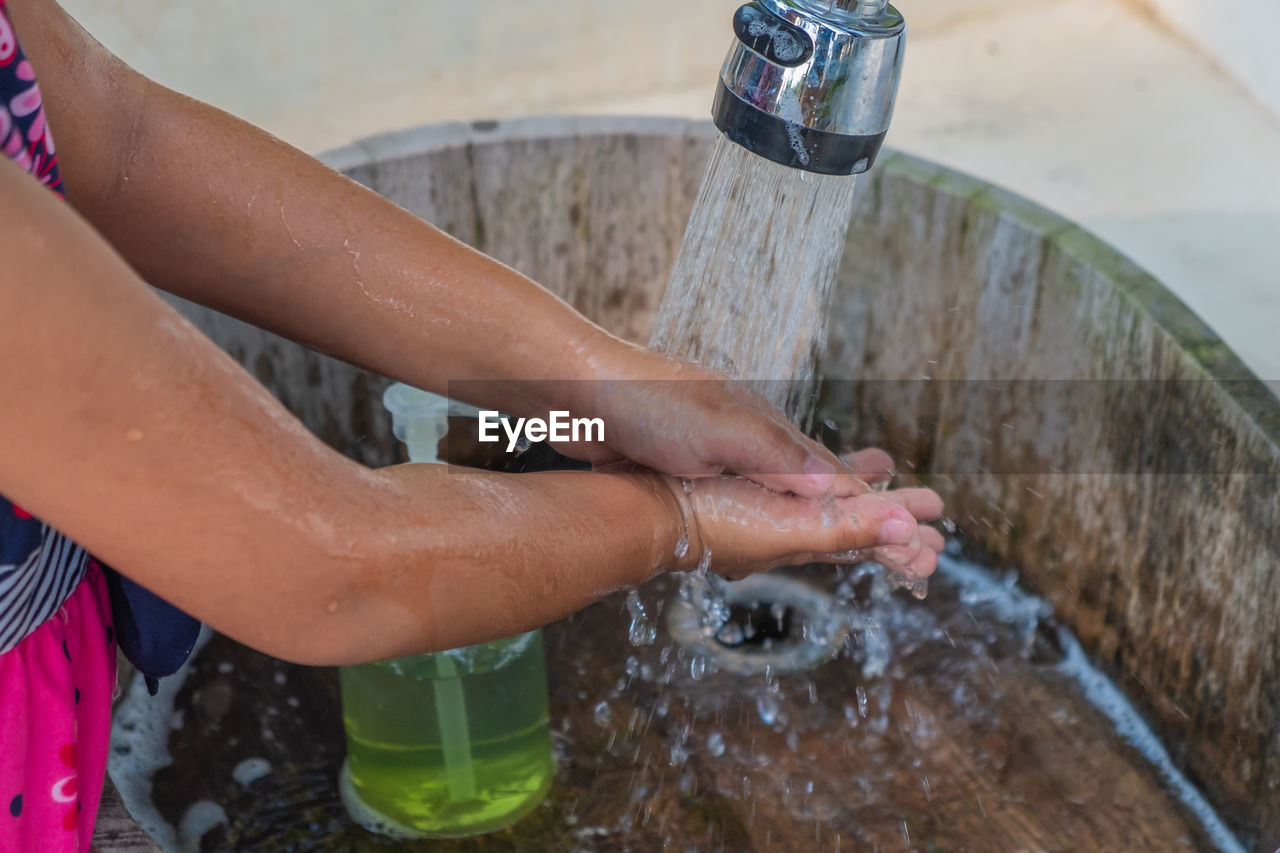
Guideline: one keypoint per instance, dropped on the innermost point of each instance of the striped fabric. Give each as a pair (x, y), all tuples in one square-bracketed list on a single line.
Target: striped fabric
[(33, 589)]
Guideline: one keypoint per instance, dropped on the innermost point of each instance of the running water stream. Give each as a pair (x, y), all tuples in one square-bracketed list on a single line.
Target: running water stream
[(753, 280), (749, 296)]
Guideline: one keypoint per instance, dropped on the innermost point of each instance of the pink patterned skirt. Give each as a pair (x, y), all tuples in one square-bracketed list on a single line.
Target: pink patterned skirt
[(55, 724)]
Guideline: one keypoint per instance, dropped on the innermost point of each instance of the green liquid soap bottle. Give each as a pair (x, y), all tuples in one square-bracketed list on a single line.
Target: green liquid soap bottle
[(450, 744)]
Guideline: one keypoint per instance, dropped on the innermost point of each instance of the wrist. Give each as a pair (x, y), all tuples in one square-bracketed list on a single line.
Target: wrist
[(582, 359), (609, 368), (680, 542)]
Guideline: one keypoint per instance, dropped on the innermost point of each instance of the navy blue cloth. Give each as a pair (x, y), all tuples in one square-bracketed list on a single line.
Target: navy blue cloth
[(20, 534), (154, 635)]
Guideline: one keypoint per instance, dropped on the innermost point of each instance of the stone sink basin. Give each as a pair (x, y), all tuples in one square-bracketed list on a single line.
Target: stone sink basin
[(1086, 429)]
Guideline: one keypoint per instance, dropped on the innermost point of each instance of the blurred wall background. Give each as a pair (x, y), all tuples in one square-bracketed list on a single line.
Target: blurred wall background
[(1240, 34)]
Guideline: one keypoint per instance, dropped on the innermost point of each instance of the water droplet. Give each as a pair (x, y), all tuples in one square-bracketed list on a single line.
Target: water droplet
[(918, 587), (715, 744), (632, 667), (830, 511), (707, 594), (642, 632), (862, 701), (603, 714), (778, 611), (730, 634), (682, 546), (767, 707), (698, 667)]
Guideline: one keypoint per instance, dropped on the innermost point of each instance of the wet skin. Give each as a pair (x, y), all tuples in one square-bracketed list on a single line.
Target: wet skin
[(134, 434)]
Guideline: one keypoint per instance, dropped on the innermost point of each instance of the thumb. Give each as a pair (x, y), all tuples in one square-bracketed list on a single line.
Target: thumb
[(776, 455)]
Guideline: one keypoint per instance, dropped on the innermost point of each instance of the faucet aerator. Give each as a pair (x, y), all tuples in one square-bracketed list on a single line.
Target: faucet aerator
[(811, 84)]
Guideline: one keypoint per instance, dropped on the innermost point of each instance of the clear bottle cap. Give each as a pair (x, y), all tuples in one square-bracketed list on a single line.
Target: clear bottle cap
[(419, 418)]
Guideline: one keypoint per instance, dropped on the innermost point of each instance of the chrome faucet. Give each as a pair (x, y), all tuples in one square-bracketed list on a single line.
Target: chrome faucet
[(811, 83)]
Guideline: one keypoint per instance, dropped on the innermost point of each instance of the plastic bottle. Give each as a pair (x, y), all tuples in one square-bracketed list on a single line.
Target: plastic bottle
[(450, 744)]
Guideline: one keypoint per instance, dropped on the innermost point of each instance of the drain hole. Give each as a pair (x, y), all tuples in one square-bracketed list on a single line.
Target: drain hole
[(771, 627), (757, 625)]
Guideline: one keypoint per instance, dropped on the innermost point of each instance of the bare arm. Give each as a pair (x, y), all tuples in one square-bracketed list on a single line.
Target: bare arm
[(215, 210), (131, 432), (210, 208)]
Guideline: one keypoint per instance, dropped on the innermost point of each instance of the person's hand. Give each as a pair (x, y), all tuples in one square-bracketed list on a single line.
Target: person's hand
[(919, 557), (741, 527), (683, 420)]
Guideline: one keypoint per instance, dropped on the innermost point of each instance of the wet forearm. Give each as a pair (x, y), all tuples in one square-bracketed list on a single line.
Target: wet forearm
[(132, 433), (326, 262), (217, 211), (476, 556)]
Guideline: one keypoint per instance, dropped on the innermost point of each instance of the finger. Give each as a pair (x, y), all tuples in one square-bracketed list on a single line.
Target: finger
[(932, 539), (918, 561), (873, 465), (901, 556), (923, 504), (921, 566), (775, 455), (872, 522), (925, 564)]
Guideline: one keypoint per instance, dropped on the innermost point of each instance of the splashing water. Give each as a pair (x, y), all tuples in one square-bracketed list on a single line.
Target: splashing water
[(641, 632), (914, 687)]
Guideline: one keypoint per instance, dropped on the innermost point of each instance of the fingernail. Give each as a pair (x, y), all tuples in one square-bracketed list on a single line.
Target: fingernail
[(819, 473), (895, 531)]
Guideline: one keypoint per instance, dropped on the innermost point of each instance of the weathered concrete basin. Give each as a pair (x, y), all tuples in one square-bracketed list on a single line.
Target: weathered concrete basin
[(1145, 511)]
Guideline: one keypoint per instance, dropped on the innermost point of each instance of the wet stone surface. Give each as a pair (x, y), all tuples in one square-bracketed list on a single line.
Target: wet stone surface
[(970, 739)]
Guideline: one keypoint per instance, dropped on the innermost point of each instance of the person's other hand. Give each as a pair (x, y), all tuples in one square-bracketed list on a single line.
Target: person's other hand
[(746, 528), (683, 420)]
